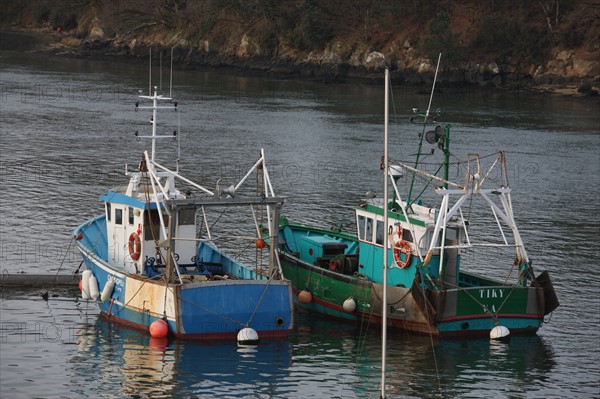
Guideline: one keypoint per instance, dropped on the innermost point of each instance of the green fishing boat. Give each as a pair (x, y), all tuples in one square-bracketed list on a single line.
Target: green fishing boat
[(425, 226)]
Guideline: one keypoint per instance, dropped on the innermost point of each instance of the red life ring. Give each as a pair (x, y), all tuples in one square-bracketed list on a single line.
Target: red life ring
[(402, 247), (135, 246)]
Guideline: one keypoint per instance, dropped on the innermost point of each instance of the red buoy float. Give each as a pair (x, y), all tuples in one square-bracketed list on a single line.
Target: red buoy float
[(305, 297), (159, 329), (261, 244)]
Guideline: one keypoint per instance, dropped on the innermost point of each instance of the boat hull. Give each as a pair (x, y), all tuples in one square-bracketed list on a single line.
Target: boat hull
[(473, 309), (204, 310)]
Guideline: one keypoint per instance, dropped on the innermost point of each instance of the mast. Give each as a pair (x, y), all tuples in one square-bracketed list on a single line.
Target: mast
[(154, 109), (385, 236), (422, 136), (447, 156)]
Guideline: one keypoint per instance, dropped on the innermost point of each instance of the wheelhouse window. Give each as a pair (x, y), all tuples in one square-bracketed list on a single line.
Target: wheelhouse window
[(108, 212), (369, 230), (379, 233), (131, 216), (452, 235), (360, 227), (407, 235), (187, 216), (118, 216), (365, 228), (152, 225)]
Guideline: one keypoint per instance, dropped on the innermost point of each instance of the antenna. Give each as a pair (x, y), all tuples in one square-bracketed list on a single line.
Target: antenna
[(423, 134), (171, 78), (433, 88), (150, 74)]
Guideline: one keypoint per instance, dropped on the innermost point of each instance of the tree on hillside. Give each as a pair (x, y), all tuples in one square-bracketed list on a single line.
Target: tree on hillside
[(442, 40)]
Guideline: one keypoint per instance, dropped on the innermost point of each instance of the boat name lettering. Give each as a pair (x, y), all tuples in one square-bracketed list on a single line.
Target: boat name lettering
[(117, 281), (491, 293)]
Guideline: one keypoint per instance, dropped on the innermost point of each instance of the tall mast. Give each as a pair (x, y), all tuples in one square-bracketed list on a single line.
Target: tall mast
[(385, 235), (154, 109), (408, 197)]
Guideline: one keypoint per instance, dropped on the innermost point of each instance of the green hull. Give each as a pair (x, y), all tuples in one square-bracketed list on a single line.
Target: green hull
[(470, 310)]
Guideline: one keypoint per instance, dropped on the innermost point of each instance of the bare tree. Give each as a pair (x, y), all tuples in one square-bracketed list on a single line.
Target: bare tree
[(548, 7)]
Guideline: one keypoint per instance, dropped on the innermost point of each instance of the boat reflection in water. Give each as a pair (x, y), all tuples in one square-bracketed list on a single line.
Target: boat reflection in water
[(330, 358), (150, 367), (462, 367)]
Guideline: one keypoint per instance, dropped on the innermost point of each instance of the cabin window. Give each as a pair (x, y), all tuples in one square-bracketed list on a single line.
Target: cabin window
[(379, 233), (131, 216), (407, 235), (361, 228), (152, 225), (108, 211), (187, 216), (118, 216), (452, 235), (369, 230)]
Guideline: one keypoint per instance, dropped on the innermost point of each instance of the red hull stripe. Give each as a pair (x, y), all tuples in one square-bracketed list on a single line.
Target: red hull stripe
[(262, 334)]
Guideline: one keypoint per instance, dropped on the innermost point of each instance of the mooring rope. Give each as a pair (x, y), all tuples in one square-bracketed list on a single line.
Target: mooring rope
[(211, 311), (261, 298)]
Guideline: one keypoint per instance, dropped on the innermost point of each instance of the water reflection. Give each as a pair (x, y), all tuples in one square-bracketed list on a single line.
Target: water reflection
[(149, 367), (419, 365)]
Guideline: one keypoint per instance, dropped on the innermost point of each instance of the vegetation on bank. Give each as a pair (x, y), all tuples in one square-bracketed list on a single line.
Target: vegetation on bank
[(516, 35)]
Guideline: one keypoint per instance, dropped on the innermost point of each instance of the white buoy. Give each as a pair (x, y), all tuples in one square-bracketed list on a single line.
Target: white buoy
[(107, 291), (85, 286), (499, 332), (349, 305), (93, 287), (247, 336)]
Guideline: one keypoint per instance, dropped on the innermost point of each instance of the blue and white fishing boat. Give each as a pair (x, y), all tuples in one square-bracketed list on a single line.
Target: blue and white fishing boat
[(153, 262)]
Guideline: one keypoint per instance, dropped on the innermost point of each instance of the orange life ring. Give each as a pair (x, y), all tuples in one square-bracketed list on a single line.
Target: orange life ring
[(402, 247), (135, 246)]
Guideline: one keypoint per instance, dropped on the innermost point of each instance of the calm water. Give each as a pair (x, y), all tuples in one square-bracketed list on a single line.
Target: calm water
[(67, 130)]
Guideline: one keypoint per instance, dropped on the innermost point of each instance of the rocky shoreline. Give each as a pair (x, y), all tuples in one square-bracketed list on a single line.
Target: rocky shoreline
[(326, 66)]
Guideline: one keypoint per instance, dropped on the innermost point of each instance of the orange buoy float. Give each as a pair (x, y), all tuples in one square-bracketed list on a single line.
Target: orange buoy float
[(260, 243), (159, 329), (135, 246), (305, 296)]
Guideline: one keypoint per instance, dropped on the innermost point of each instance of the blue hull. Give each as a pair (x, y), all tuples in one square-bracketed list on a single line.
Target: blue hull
[(205, 310), (249, 303)]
